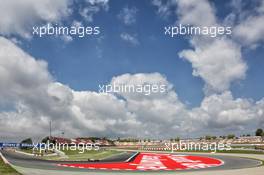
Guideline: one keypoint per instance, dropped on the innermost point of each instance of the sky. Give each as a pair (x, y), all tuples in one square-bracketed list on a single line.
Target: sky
[(215, 84)]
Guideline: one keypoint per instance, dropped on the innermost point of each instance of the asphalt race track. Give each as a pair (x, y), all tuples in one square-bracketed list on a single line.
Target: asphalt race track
[(131, 161)]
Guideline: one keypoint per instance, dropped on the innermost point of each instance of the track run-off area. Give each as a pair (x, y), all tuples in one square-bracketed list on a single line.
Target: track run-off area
[(153, 162)]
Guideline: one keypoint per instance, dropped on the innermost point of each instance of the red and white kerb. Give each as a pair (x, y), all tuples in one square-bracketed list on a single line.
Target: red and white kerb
[(153, 161)]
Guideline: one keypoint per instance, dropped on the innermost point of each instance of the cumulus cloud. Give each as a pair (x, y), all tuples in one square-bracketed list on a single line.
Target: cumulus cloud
[(159, 113), (142, 79), (30, 98), (103, 114), (18, 17), (14, 64), (247, 24), (132, 39), (218, 61), (191, 12), (260, 112), (250, 30), (128, 15), (223, 111)]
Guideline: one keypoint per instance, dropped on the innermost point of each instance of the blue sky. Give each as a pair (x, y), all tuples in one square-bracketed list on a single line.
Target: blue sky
[(217, 82), (79, 65), (73, 63)]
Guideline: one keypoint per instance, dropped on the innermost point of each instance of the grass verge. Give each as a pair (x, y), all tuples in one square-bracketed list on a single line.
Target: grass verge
[(6, 169), (76, 155), (200, 151)]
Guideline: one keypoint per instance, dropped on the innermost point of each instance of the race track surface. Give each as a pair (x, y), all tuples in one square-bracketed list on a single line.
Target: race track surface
[(137, 162)]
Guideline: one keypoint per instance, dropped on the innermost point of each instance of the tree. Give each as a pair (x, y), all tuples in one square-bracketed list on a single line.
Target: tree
[(208, 137), (222, 137), (231, 136), (27, 141), (259, 132)]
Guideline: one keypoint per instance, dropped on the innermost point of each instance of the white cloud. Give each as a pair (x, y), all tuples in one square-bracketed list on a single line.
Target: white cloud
[(191, 12), (128, 15), (66, 38), (219, 63), (77, 24), (18, 17), (161, 114), (250, 29), (15, 72), (16, 41), (28, 106), (92, 7), (132, 39), (88, 13), (103, 114), (260, 112), (30, 98), (223, 111), (164, 8), (98, 2)]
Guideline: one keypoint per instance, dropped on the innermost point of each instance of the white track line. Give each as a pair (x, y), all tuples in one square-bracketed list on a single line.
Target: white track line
[(132, 157)]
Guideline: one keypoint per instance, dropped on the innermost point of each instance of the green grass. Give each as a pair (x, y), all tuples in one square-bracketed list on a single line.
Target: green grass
[(225, 151), (217, 151), (7, 169), (92, 154), (229, 151), (248, 147), (242, 152), (26, 150), (77, 155), (37, 151)]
